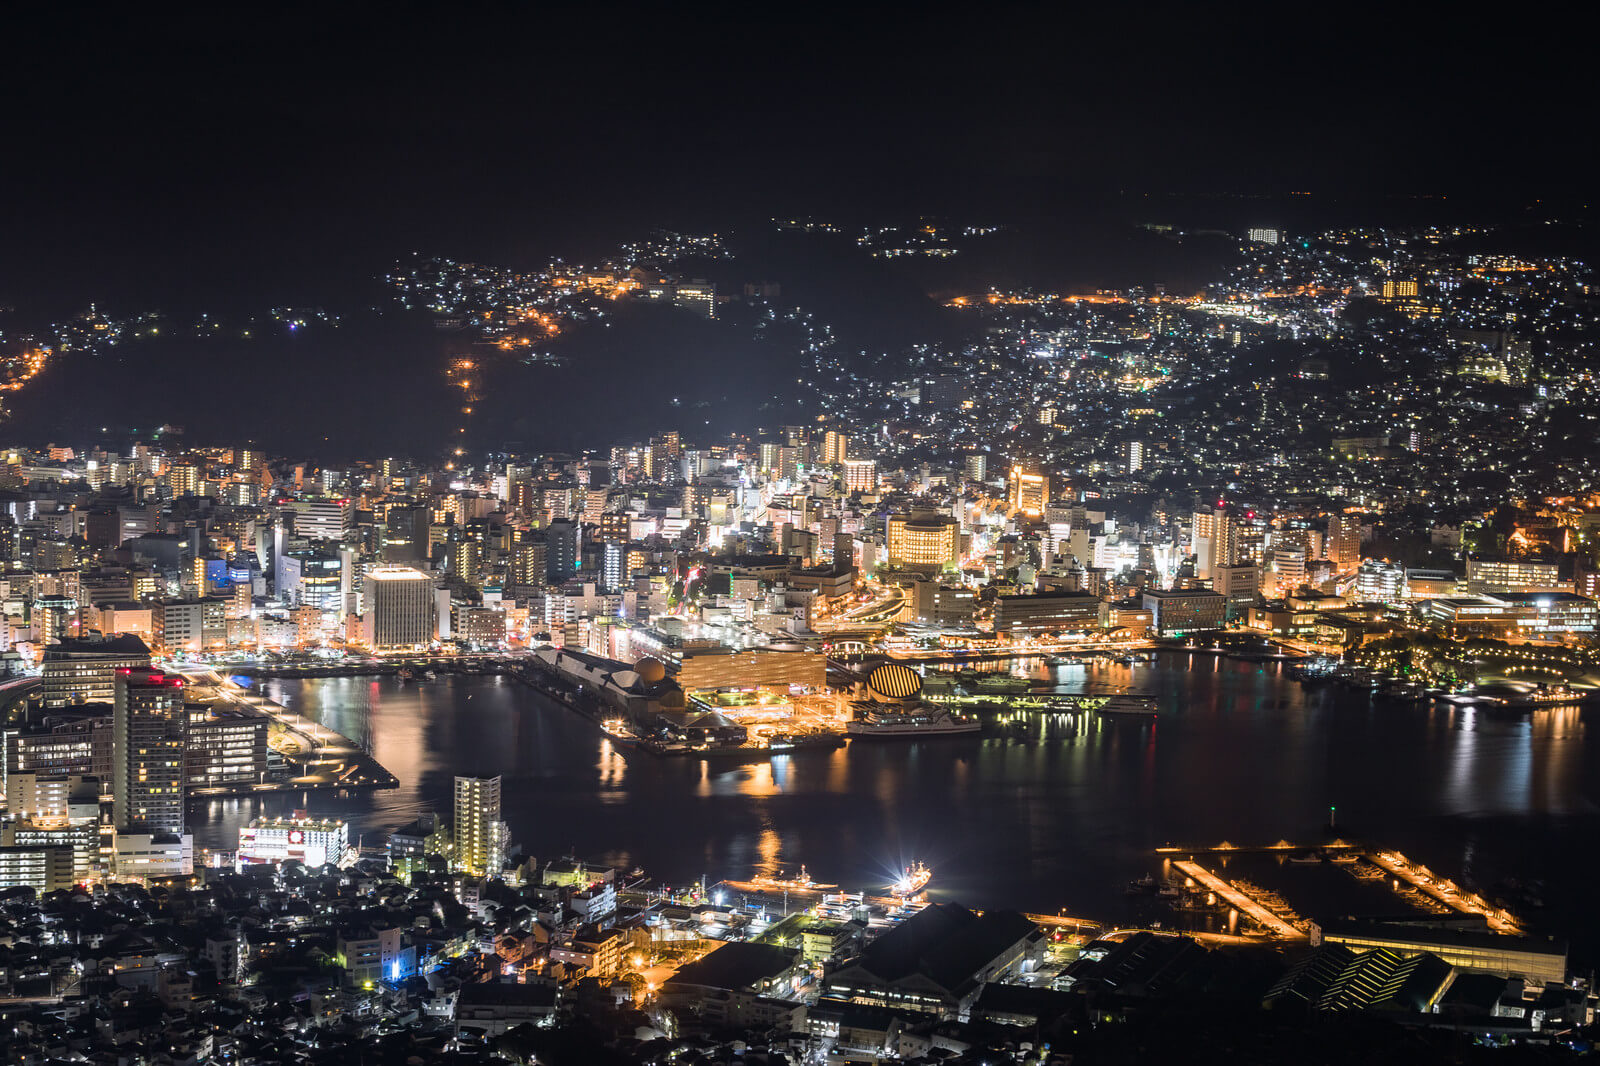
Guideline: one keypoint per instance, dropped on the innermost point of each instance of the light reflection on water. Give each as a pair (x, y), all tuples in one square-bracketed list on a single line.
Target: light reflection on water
[(1063, 813)]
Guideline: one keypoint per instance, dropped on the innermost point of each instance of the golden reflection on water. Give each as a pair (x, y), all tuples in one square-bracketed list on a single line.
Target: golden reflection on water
[(768, 847)]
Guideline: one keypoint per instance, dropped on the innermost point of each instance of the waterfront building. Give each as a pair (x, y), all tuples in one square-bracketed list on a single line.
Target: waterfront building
[(225, 745), (399, 610), (1047, 612), (1470, 950), (313, 841), (1180, 612), (149, 721), (938, 961)]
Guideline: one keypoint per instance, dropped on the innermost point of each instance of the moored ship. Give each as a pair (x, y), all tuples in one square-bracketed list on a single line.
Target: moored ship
[(922, 722), (914, 880), (1128, 707)]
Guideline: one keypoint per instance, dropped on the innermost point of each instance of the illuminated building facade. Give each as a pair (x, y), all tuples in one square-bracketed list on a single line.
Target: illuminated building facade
[(313, 841), (479, 832), (922, 542), (400, 614), (1028, 493)]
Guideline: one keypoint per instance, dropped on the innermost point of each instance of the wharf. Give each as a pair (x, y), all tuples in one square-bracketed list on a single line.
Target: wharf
[(330, 761), (1445, 892), (1238, 900)]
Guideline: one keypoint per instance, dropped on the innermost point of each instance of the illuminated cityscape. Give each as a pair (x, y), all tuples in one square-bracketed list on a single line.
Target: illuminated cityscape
[(660, 551)]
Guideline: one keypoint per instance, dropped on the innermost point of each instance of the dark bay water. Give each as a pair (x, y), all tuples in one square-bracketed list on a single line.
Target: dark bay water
[(1062, 817)]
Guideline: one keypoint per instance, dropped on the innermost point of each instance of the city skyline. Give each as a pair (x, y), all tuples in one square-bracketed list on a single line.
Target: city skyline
[(1019, 535)]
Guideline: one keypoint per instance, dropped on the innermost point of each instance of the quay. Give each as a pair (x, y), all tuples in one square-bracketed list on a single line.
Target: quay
[(329, 762), (1239, 901), (1444, 891)]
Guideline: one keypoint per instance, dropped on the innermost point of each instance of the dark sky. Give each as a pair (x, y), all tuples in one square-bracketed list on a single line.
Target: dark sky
[(152, 154)]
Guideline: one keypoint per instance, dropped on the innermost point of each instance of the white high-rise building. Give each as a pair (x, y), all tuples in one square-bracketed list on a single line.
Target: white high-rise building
[(399, 609)]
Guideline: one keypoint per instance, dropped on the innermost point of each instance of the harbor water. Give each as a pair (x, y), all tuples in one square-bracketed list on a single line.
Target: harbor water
[(1042, 813)]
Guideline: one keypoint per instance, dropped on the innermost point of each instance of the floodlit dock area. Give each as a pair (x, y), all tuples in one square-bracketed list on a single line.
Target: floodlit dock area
[(1445, 891), (1237, 899)]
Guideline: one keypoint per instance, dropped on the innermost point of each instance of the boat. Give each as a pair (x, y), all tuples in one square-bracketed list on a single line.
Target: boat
[(915, 880), (1003, 683), (801, 882), (924, 722), (1128, 707), (781, 742), (1063, 660)]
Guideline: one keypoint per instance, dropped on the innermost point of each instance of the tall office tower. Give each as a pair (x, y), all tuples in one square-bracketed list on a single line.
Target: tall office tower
[(1135, 456), (1028, 493), (400, 610), (977, 467), (479, 832), (563, 549), (148, 721), (835, 447), (1344, 541), (1215, 543)]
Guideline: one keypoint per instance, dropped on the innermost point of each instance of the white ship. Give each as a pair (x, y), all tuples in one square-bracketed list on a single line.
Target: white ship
[(922, 722), (915, 880)]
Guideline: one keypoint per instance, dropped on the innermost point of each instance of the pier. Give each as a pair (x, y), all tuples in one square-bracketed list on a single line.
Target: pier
[(1244, 904), (329, 762), (1444, 891)]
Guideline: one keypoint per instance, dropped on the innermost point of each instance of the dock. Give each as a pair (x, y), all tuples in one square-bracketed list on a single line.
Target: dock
[(1444, 891), (330, 762), (1239, 901)]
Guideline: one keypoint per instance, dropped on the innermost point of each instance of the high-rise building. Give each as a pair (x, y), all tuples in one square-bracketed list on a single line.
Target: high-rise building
[(564, 547), (310, 577), (860, 475), (1134, 456), (835, 447), (1028, 493), (977, 466), (1239, 582), (399, 609), (1264, 235), (1344, 541), (147, 754), (479, 832), (1214, 542)]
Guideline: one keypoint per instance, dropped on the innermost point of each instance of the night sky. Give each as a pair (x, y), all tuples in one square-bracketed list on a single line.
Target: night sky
[(212, 155)]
